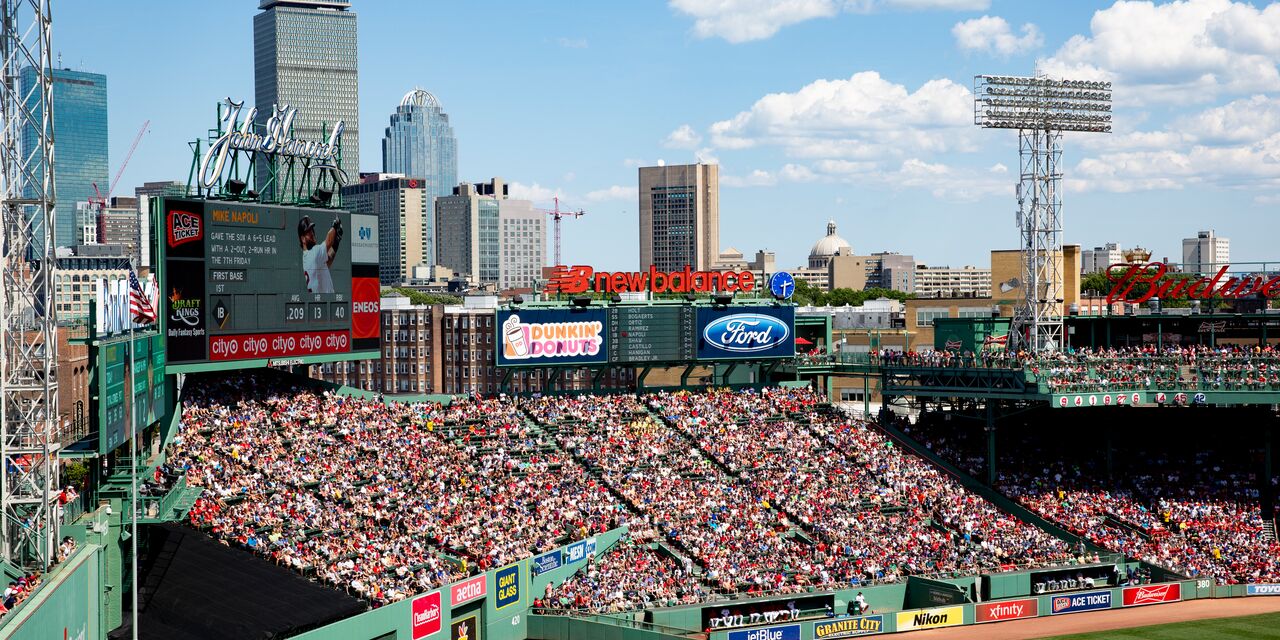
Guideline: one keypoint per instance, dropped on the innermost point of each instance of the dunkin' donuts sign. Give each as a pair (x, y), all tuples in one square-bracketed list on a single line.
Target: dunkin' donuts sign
[(537, 336)]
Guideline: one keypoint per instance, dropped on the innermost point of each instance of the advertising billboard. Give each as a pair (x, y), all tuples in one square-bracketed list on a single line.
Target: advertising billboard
[(254, 282), (508, 592), (1074, 603), (539, 337), (426, 615), (930, 618), (127, 391), (1006, 610), (788, 632), (849, 627), (728, 333), (1152, 594)]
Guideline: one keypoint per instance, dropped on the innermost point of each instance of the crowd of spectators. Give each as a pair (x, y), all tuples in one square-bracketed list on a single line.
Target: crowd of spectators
[(1170, 366), (631, 575), (1195, 512), (738, 537), (877, 512), (721, 491), (381, 500), (19, 590)]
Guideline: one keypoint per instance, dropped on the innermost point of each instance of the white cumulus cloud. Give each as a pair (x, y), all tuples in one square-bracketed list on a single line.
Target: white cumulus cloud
[(746, 20), (993, 35), (614, 192), (1178, 52), (683, 137), (757, 178), (534, 192), (864, 116)]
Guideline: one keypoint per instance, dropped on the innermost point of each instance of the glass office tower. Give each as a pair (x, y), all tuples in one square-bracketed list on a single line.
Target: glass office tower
[(304, 55), (419, 143), (80, 147)]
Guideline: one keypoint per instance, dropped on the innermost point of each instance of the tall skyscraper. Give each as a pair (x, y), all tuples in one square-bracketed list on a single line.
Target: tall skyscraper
[(401, 206), (679, 216), (1205, 253), (419, 143), (490, 238), (304, 54), (80, 147)]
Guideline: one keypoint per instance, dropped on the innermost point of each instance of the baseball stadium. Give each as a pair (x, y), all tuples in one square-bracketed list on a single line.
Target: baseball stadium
[(666, 455)]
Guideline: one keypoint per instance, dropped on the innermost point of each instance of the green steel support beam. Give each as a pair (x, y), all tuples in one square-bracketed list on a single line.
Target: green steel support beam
[(595, 379), (644, 373), (991, 444), (866, 396), (688, 371)]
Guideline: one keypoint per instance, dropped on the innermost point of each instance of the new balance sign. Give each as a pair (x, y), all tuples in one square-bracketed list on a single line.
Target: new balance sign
[(1006, 610), (1264, 590), (1152, 594), (1087, 601)]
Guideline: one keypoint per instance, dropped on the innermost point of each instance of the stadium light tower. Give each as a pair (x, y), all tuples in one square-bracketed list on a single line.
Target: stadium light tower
[(1040, 109), (28, 323)]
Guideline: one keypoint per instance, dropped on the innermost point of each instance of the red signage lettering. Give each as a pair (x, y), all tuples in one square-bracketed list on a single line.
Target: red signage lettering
[(426, 615), (1125, 279), (580, 279)]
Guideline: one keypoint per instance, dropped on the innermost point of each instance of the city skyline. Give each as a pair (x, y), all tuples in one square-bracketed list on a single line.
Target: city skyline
[(835, 116)]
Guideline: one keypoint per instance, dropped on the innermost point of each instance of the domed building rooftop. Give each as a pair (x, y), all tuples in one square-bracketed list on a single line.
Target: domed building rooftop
[(830, 245)]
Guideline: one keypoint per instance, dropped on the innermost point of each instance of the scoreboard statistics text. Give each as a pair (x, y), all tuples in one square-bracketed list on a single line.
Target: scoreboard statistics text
[(252, 282)]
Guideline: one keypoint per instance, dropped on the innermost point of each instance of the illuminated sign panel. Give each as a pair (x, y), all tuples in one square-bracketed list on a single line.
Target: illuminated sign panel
[(256, 282)]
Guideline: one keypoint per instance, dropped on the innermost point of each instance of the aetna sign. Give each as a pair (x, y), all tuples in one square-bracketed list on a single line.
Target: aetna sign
[(580, 279)]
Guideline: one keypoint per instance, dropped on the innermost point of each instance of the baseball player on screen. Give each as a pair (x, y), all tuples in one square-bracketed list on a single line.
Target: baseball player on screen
[(316, 258)]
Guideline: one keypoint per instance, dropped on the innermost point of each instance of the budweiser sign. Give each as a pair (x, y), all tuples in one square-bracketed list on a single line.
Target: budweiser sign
[(1127, 278), (1152, 594), (580, 279)]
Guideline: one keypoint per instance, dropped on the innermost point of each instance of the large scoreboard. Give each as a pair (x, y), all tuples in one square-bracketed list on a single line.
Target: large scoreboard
[(651, 334), (253, 282), (129, 387), (643, 334)]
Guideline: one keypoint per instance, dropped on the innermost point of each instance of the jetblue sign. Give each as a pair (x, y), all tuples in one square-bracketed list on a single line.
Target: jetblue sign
[(746, 333), (789, 632)]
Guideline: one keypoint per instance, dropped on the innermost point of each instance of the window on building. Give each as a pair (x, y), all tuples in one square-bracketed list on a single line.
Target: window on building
[(926, 315)]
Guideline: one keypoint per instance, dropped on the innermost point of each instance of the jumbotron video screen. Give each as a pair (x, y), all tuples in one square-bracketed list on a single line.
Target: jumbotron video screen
[(264, 282)]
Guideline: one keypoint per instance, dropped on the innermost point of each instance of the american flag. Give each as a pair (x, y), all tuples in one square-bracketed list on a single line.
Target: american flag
[(139, 304)]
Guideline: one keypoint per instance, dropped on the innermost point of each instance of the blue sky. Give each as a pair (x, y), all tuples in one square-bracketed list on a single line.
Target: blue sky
[(815, 109)]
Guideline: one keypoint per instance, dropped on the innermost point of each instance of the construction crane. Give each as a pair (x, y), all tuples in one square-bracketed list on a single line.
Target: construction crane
[(101, 200), (557, 215)]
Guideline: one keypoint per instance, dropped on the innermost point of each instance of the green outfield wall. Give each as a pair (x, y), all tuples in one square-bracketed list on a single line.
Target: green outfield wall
[(500, 612), (67, 606)]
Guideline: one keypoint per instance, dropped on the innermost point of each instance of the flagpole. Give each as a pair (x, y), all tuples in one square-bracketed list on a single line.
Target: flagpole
[(133, 461)]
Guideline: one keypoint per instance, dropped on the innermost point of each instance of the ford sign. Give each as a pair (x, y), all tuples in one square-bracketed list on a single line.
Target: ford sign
[(746, 333)]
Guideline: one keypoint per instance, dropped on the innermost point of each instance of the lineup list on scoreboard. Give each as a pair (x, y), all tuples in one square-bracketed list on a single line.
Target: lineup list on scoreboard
[(651, 334)]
